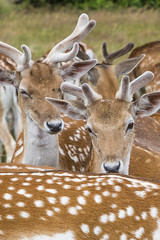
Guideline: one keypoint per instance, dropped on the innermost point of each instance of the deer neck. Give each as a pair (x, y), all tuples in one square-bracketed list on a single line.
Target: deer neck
[(40, 148)]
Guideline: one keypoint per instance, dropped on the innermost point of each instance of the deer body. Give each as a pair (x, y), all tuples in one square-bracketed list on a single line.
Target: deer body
[(35, 203), (10, 116), (151, 62)]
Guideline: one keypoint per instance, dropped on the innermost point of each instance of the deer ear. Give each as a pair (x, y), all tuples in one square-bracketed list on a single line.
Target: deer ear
[(147, 104), (7, 78), (128, 65), (78, 69), (72, 109)]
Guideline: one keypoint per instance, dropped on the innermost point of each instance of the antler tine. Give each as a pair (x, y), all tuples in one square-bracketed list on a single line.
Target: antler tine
[(123, 91), (90, 95), (84, 26), (21, 59), (141, 81), (72, 89), (127, 88), (108, 58)]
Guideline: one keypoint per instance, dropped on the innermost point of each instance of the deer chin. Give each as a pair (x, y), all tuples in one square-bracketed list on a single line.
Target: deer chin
[(113, 166)]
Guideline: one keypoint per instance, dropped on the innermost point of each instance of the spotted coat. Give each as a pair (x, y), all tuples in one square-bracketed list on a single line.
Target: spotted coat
[(99, 207)]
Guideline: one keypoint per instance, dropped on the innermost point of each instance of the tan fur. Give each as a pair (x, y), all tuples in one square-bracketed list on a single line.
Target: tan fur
[(150, 63), (106, 82)]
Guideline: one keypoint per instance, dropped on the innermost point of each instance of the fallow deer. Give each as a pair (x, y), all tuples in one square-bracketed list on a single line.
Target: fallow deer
[(110, 122), (75, 148), (103, 78), (8, 107), (35, 204), (151, 62), (34, 81)]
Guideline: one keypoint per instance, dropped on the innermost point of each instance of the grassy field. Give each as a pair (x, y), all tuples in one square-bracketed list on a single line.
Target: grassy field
[(42, 28)]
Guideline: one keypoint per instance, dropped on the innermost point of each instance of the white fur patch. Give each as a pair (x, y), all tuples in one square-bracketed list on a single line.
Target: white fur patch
[(69, 235)]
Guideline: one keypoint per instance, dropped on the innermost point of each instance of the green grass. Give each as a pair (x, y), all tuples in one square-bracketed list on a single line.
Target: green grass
[(42, 28)]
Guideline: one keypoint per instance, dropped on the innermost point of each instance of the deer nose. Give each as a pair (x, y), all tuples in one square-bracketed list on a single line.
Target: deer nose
[(111, 167), (55, 127)]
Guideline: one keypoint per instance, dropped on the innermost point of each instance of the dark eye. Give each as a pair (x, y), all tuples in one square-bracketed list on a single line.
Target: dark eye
[(53, 89), (90, 130), (130, 126), (24, 93)]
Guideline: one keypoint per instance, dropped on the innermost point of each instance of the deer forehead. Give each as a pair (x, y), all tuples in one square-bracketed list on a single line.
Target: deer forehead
[(110, 112), (41, 74)]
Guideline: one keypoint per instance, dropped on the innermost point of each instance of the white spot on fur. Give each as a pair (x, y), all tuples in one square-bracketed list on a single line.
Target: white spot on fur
[(130, 211), (123, 237), (138, 233), (7, 196), (53, 191), (64, 200), (85, 228), (86, 192), (154, 212), (39, 203), (10, 217), (104, 218), (105, 237), (7, 205), (49, 213), (98, 198), (97, 230), (122, 214), (51, 200), (19, 151), (24, 214), (112, 217), (156, 233), (144, 215), (72, 210), (141, 194), (20, 204), (81, 200)]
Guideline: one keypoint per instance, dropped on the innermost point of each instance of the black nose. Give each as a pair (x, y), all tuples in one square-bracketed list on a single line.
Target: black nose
[(55, 127), (112, 168)]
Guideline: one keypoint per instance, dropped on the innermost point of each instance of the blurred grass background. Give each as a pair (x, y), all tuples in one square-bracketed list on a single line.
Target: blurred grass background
[(41, 28)]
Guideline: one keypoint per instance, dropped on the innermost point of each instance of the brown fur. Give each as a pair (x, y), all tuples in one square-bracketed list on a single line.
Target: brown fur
[(149, 63)]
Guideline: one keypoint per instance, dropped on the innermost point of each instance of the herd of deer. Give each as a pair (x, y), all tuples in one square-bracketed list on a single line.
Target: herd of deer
[(79, 134)]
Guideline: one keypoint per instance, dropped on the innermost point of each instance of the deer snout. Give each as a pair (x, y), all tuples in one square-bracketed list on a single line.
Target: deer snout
[(54, 127), (111, 167)]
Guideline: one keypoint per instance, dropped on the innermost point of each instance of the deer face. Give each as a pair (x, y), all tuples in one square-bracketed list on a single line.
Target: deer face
[(34, 85), (110, 125), (110, 122)]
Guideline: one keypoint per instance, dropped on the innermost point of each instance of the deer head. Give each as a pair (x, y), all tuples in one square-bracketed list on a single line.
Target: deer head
[(110, 122), (36, 80), (103, 78)]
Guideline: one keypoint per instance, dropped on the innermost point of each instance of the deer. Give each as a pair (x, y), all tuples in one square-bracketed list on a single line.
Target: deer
[(10, 116), (35, 203), (110, 122), (71, 156), (151, 63), (103, 78), (34, 81)]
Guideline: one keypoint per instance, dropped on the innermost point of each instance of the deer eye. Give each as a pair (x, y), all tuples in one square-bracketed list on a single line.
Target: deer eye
[(24, 93), (90, 130), (130, 126)]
